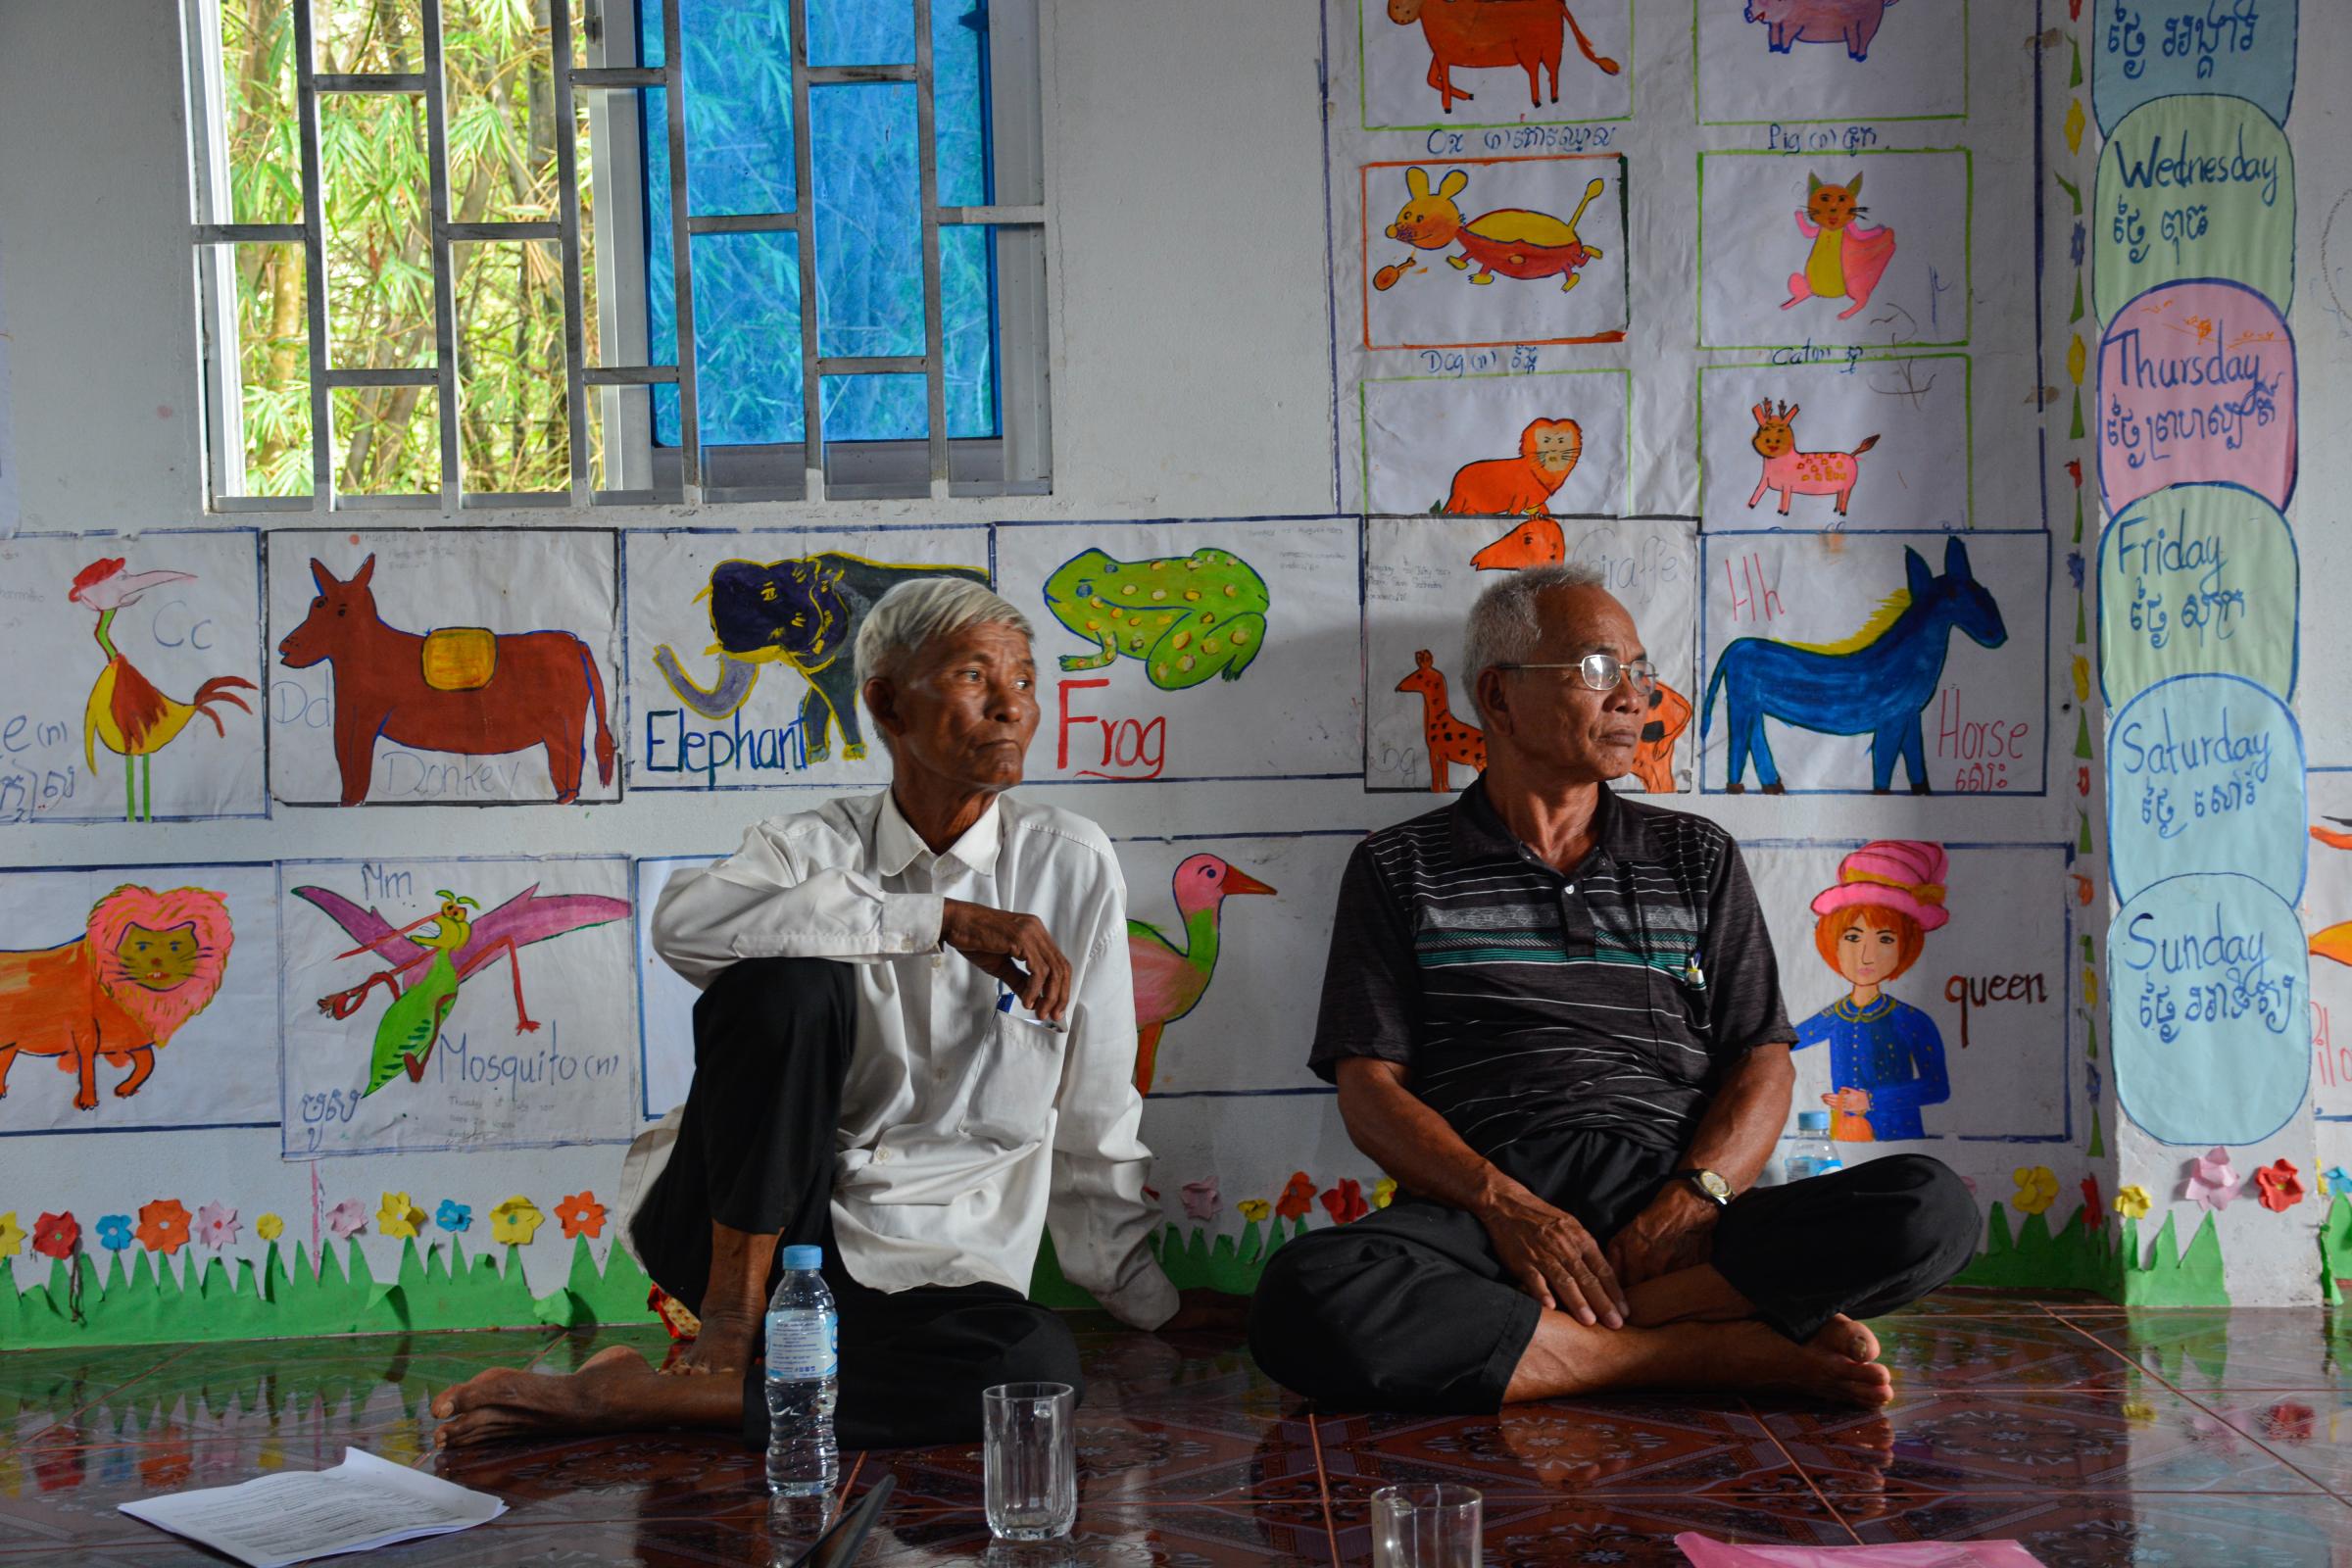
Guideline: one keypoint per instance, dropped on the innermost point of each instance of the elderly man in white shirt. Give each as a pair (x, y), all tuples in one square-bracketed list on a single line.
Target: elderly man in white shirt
[(914, 1047)]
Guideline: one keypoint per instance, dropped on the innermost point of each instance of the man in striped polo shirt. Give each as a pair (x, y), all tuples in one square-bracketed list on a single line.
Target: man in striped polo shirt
[(1554, 1018)]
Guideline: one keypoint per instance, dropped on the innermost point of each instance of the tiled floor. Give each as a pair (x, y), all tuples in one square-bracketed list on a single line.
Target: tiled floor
[(2095, 1435)]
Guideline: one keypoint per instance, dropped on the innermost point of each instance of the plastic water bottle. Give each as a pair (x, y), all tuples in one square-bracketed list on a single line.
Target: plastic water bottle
[(1812, 1155), (802, 1360)]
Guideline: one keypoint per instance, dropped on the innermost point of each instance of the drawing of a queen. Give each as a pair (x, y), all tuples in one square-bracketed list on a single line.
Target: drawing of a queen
[(1886, 1057)]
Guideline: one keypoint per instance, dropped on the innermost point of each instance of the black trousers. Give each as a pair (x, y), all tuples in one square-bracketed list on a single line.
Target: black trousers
[(772, 1039), (1410, 1307)]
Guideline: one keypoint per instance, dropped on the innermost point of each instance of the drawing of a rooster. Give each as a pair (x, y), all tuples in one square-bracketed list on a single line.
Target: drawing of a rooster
[(126, 710)]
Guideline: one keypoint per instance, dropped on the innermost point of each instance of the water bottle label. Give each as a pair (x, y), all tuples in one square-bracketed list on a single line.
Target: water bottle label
[(802, 1347)]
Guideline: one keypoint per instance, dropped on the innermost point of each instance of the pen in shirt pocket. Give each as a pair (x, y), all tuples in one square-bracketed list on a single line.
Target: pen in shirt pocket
[(1005, 1002)]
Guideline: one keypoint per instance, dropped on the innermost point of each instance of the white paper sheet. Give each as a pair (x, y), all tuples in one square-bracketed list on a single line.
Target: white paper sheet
[(363, 1504)]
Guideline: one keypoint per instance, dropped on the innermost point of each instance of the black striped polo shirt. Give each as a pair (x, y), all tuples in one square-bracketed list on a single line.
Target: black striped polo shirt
[(1525, 1000)]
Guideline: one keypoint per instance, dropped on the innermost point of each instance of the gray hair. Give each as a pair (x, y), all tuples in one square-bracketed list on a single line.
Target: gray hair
[(915, 611), (1503, 629)]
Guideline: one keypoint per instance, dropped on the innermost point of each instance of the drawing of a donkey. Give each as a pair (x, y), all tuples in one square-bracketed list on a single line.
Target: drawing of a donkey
[(1875, 682)]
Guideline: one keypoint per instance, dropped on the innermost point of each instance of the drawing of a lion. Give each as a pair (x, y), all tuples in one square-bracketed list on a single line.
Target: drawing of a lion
[(146, 964)]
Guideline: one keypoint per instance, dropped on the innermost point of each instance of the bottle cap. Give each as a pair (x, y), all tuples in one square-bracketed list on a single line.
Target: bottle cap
[(1812, 1121), (807, 1258)]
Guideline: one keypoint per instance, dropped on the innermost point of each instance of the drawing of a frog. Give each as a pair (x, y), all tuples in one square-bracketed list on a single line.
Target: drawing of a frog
[(1187, 618)]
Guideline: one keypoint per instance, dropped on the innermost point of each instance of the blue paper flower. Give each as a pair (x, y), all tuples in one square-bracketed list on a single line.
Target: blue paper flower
[(114, 1231), (2339, 1181), (453, 1215)]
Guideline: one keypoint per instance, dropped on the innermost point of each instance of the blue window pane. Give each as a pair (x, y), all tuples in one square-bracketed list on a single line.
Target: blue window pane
[(880, 408), (746, 352), (960, 101), (967, 292), (869, 232), (863, 33)]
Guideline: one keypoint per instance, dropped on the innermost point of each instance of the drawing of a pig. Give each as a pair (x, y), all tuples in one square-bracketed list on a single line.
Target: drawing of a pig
[(1793, 21)]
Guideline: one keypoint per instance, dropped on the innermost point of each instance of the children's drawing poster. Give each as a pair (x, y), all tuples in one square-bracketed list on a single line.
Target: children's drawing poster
[(664, 998), (1189, 651), (1874, 661), (742, 650), (9, 500), (136, 997), (1833, 248), (1421, 577), (1868, 441), (1927, 984), (1499, 445), (137, 689), (444, 667), (1799, 62), (2327, 918), (460, 1004), (1427, 64)]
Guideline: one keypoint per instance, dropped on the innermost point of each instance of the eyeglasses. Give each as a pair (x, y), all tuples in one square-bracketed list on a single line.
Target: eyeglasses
[(1602, 671)]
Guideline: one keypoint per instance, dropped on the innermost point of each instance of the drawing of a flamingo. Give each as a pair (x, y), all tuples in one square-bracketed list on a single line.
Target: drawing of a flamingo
[(126, 710), (1171, 981)]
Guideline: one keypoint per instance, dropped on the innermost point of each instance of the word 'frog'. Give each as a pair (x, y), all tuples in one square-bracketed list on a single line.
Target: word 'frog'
[(1187, 618)]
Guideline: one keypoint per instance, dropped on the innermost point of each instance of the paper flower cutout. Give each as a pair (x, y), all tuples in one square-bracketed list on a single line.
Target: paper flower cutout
[(2134, 1202), (1200, 1199), (2036, 1188), (1383, 1192), (164, 1226), (114, 1231), (1297, 1196), (2209, 1182), (11, 1235), (56, 1235), (581, 1215), (397, 1217), (453, 1216), (2282, 1185), (513, 1220), (346, 1219), (1254, 1209), (2093, 1215), (1345, 1203), (269, 1227), (215, 1226), (2338, 1180)]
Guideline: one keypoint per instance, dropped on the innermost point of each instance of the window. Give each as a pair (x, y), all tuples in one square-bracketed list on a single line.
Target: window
[(492, 191)]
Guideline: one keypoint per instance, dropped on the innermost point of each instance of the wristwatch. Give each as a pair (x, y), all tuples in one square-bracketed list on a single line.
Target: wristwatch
[(1711, 1187)]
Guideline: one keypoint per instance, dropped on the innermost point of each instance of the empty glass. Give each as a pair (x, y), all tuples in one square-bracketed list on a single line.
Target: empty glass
[(1032, 1459), (1426, 1526)]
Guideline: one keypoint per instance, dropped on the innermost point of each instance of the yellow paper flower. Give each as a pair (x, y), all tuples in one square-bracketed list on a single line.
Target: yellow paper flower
[(11, 1235), (2036, 1188), (513, 1220), (1254, 1209), (396, 1216), (1382, 1191), (2132, 1202), (269, 1227)]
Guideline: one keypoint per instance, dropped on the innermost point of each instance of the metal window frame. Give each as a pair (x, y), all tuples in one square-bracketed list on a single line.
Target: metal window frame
[(1021, 451)]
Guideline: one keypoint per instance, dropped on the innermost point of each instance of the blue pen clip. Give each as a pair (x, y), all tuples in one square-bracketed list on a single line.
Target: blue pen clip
[(1004, 999)]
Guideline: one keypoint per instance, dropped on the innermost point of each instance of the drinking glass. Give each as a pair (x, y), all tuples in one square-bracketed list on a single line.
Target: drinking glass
[(1032, 1459), (1426, 1527)]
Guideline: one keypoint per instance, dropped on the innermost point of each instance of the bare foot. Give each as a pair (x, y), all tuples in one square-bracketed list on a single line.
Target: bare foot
[(1843, 1335), (721, 1348), (1756, 1360), (606, 1395)]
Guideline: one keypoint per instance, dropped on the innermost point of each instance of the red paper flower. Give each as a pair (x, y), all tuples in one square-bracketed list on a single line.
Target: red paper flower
[(2095, 1214), (1297, 1198), (2074, 470), (581, 1215), (1346, 1201), (55, 1235), (2282, 1185), (164, 1225)]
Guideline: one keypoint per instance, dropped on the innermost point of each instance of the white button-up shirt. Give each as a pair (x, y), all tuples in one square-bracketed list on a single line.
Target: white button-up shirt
[(965, 1128)]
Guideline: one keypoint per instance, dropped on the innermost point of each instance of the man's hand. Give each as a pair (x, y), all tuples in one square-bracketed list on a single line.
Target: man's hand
[(1555, 1257), (1675, 1232), (1015, 948), (1201, 1308)]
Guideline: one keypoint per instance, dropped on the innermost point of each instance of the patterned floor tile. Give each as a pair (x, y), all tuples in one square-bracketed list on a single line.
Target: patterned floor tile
[(1952, 1441), (2118, 1530), (1621, 1532), (1123, 1536), (1195, 1453), (2276, 1348), (38, 1388), (655, 1475), (1147, 1373), (1940, 1352), (1565, 1445), (1962, 1301), (2311, 1431)]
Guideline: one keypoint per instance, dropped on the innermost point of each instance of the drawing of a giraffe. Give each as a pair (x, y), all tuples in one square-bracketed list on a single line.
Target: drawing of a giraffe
[(1449, 739)]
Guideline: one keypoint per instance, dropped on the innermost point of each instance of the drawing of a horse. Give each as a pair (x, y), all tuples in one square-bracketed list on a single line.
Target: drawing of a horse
[(1875, 682), (464, 690)]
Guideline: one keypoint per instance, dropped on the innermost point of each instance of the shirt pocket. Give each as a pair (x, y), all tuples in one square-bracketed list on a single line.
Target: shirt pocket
[(1015, 1073)]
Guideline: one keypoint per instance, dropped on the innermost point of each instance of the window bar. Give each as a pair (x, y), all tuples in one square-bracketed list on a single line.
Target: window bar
[(567, 233), (313, 259), (681, 245), (813, 416), (445, 290), (935, 375)]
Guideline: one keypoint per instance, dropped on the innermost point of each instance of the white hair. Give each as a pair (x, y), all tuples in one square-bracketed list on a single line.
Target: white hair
[(917, 611), (1503, 627)]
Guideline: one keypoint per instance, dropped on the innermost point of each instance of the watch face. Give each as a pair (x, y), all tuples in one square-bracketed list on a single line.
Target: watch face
[(1716, 1187)]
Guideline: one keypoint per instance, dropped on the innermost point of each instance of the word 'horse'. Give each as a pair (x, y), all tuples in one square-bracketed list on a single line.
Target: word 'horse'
[(1874, 685)]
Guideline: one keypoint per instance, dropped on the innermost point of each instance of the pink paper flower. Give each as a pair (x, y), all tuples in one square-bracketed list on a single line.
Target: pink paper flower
[(216, 1226), (346, 1219), (2209, 1182), (1200, 1199)]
